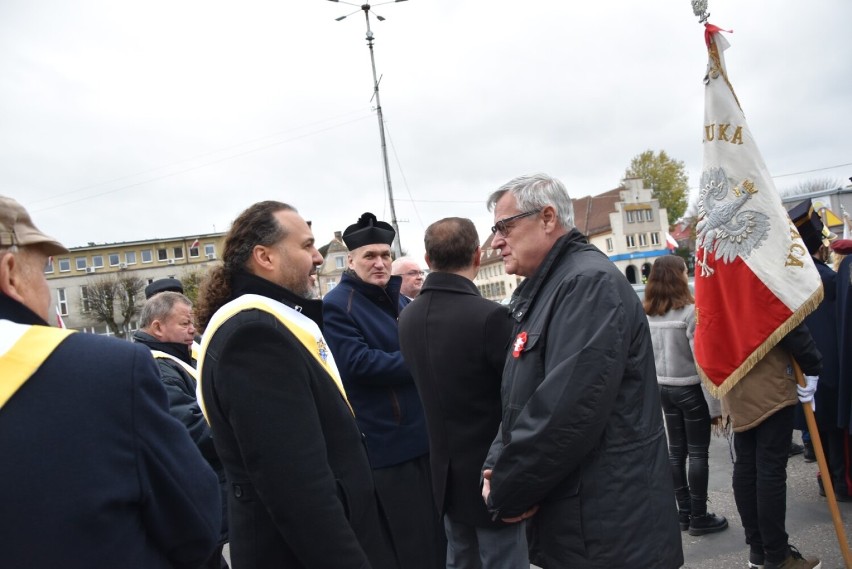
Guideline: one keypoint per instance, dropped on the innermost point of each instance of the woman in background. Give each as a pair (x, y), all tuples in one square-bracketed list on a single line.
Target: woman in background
[(671, 314)]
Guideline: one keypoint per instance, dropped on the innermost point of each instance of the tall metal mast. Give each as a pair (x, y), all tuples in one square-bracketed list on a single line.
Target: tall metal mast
[(397, 247)]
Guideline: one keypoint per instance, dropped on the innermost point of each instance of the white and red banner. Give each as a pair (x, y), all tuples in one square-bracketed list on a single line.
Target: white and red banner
[(754, 278)]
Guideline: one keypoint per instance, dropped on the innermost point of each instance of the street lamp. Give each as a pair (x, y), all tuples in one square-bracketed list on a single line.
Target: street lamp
[(366, 8)]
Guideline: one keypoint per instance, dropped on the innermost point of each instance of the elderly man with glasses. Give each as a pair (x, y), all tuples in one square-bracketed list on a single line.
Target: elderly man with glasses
[(581, 451), (412, 276)]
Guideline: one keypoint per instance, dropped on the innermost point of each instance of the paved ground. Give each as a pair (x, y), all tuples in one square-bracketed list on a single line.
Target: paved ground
[(808, 520)]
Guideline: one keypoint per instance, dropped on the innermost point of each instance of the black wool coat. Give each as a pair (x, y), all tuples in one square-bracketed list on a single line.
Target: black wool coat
[(301, 492), (455, 343)]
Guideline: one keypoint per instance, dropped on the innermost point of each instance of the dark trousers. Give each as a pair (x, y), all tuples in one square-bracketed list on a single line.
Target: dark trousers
[(760, 483), (405, 494), (688, 432)]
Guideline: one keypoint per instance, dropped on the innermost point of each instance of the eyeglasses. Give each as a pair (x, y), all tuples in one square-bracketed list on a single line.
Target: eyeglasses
[(414, 273), (503, 226)]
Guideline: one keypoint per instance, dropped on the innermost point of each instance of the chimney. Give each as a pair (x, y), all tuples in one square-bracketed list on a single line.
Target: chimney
[(338, 236)]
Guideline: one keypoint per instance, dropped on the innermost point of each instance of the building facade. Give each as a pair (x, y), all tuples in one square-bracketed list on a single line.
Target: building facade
[(77, 279)]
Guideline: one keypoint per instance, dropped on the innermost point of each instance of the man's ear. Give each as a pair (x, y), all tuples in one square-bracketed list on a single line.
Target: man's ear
[(10, 276), (548, 214), (156, 329), (477, 257), (262, 258)]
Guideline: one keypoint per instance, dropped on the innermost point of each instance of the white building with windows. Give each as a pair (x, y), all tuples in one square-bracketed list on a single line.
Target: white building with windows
[(70, 276)]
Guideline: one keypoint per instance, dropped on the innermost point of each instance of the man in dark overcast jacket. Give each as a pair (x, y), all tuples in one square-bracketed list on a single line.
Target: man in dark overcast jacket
[(582, 445), (455, 343)]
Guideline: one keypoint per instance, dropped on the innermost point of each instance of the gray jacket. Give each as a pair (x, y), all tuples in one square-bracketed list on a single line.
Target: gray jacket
[(672, 335)]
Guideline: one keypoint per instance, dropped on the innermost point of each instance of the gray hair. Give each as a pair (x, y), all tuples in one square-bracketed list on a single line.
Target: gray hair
[(536, 191), (395, 266), (159, 306)]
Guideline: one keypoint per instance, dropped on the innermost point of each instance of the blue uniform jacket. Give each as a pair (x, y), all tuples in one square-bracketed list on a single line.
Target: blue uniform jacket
[(95, 473), (361, 329)]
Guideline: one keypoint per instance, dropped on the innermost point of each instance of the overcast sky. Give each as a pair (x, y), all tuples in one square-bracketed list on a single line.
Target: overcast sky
[(133, 120)]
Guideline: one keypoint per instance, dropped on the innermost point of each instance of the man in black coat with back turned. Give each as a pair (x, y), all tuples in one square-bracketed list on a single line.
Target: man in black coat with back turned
[(301, 491), (455, 343)]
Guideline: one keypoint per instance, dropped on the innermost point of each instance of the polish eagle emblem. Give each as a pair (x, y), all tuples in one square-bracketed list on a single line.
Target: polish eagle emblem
[(725, 227)]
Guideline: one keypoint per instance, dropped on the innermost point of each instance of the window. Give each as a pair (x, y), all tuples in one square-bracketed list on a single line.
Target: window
[(338, 262), (61, 302), (630, 216), (147, 257), (113, 259), (84, 298), (193, 252), (81, 263), (649, 215), (655, 239), (162, 254), (130, 257), (643, 240), (178, 251), (609, 244), (210, 250), (64, 265), (631, 241), (48, 266), (98, 261)]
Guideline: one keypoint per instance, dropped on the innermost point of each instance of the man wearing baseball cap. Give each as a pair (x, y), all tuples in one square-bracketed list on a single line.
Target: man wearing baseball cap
[(95, 472)]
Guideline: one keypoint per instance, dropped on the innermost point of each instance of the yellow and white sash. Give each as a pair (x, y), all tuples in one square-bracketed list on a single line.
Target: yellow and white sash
[(158, 355), (23, 349), (302, 327)]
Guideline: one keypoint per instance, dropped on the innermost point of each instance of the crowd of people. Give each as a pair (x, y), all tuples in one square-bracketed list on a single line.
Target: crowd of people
[(399, 422)]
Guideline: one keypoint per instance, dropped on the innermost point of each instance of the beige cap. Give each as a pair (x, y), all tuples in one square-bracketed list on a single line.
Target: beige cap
[(16, 228)]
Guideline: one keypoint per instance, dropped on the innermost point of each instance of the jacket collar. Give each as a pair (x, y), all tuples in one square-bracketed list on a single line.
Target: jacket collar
[(375, 292), (528, 289), (247, 283), (178, 350), (449, 282), (13, 310)]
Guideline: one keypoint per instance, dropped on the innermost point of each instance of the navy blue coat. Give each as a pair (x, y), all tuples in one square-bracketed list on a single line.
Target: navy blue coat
[(844, 327), (361, 329), (94, 471), (822, 324)]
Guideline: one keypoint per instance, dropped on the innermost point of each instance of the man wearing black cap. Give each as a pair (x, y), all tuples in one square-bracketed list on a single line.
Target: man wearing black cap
[(163, 285), (360, 316), (822, 323), (94, 471)]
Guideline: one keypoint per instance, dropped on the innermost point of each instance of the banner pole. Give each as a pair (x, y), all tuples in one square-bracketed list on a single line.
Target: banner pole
[(826, 475)]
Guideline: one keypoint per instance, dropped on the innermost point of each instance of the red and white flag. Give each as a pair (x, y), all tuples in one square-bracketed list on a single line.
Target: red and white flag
[(671, 242), (60, 323), (754, 278), (195, 244)]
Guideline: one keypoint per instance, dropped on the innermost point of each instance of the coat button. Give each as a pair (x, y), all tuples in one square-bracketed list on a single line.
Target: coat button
[(238, 491)]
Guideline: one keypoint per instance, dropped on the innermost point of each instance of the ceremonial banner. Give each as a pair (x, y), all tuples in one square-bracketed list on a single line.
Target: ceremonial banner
[(754, 278)]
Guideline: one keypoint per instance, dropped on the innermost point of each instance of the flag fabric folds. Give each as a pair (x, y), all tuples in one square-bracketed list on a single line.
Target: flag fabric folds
[(195, 244), (754, 278)]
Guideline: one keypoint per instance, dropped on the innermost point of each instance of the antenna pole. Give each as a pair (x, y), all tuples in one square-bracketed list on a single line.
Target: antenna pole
[(397, 247)]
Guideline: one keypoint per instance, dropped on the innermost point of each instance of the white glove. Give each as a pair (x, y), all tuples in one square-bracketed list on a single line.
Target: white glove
[(806, 393)]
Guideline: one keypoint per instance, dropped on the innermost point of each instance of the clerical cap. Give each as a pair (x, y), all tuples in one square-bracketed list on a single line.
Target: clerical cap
[(809, 224), (368, 231), (17, 228), (163, 285)]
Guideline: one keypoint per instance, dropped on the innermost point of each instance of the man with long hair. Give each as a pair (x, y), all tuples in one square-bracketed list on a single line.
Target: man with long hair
[(301, 492)]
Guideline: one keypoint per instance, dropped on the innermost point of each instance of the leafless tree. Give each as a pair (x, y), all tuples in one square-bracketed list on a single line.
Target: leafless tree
[(809, 186), (114, 301)]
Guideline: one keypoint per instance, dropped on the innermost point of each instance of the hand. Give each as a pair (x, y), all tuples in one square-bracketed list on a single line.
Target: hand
[(528, 514), (486, 484), (806, 393)]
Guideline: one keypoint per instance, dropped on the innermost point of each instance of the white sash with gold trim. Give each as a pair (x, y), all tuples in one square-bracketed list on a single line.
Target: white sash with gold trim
[(302, 327), (158, 355)]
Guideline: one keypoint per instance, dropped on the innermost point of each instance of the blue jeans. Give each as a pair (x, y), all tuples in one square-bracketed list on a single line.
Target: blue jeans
[(688, 432), (760, 483)]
